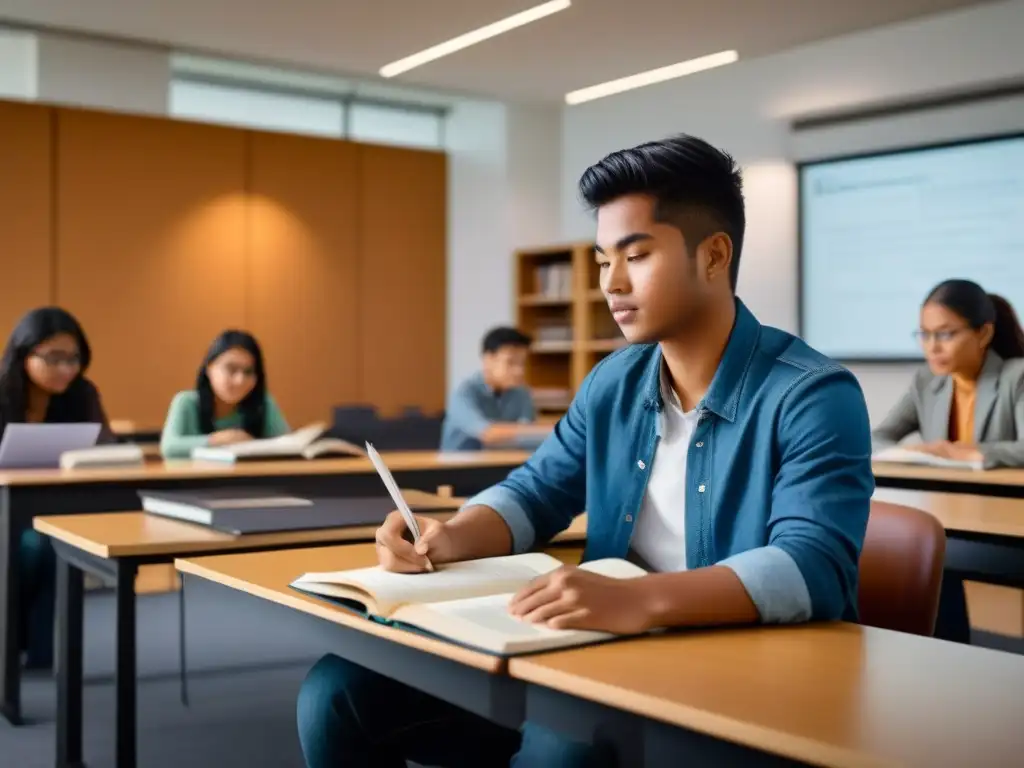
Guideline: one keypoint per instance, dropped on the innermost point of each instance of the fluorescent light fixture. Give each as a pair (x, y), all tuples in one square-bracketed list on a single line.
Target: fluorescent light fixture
[(472, 38), (651, 76)]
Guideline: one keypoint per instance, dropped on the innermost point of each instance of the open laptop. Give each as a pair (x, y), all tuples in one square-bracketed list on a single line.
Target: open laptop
[(39, 446)]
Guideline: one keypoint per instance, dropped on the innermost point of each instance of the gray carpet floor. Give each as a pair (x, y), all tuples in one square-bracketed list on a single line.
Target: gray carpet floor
[(245, 672)]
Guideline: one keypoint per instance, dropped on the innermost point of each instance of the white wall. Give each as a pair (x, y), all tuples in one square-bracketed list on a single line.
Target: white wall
[(18, 64), (85, 72), (503, 194), (746, 108)]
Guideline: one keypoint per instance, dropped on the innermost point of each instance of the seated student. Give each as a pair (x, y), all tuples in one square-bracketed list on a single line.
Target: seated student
[(493, 407), (730, 457), (968, 403), (230, 403), (42, 380)]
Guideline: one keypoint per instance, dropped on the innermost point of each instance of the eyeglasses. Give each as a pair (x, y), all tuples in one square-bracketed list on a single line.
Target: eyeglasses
[(238, 370), (944, 336), (59, 359)]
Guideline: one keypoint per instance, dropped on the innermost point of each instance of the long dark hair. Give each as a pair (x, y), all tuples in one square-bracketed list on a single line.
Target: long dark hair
[(253, 408), (35, 327), (978, 307)]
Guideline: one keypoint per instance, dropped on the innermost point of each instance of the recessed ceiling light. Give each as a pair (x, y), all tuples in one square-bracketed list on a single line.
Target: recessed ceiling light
[(651, 76), (472, 38)]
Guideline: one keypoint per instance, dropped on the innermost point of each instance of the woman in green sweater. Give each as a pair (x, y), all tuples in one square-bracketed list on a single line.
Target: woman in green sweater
[(230, 403)]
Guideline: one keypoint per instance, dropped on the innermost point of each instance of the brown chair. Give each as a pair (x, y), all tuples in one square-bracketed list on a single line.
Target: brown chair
[(901, 569)]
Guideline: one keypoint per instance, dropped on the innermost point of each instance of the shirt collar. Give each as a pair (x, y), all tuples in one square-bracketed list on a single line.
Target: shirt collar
[(723, 395)]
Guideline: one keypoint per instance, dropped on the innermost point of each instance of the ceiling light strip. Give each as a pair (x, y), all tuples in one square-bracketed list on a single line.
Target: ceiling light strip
[(472, 38), (651, 77)]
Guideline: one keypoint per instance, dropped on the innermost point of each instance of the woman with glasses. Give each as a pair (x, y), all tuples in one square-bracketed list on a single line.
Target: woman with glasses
[(42, 380), (230, 403), (968, 404)]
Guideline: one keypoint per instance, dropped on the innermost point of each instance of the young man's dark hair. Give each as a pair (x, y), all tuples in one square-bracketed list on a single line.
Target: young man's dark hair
[(504, 336), (698, 188)]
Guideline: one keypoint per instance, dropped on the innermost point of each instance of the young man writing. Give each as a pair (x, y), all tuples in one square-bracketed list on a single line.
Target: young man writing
[(729, 457), (493, 408)]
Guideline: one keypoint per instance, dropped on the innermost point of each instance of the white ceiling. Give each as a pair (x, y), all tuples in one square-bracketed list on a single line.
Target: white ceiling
[(538, 62)]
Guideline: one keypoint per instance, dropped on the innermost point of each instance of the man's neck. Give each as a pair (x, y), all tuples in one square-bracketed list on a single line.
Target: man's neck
[(491, 384), (692, 358)]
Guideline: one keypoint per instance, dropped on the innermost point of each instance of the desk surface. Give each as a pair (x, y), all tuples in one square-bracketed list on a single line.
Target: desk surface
[(137, 534), (397, 461), (895, 471), (268, 574), (989, 515), (829, 694)]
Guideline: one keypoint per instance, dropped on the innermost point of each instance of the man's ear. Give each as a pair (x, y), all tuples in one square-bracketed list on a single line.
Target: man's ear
[(717, 256)]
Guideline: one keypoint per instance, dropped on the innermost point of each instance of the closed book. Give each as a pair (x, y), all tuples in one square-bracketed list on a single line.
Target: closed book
[(241, 511)]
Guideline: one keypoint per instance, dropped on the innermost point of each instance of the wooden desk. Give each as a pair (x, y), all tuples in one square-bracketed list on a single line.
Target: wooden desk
[(467, 678), (963, 512), (837, 694), (993, 482), (113, 546), (25, 494)]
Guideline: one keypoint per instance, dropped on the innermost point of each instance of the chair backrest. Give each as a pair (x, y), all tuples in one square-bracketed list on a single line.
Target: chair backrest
[(901, 569)]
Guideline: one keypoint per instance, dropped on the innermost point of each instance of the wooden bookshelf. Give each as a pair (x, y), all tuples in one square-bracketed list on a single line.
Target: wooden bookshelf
[(560, 305)]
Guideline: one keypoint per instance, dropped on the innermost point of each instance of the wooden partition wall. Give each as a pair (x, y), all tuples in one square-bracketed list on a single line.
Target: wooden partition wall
[(158, 234)]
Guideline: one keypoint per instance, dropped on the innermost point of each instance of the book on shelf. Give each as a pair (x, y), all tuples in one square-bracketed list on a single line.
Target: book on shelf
[(554, 280), (465, 603), (259, 510), (898, 455), (305, 443), (117, 455)]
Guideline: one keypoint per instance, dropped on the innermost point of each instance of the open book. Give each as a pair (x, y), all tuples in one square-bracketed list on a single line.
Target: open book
[(466, 603), (897, 455), (305, 443)]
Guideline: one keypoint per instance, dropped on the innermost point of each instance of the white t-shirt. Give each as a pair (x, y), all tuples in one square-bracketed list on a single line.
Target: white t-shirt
[(659, 536)]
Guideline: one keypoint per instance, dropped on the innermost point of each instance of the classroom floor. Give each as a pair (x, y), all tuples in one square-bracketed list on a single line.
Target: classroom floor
[(242, 698)]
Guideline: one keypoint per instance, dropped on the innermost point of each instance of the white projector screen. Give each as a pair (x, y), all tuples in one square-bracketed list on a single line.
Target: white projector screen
[(878, 232)]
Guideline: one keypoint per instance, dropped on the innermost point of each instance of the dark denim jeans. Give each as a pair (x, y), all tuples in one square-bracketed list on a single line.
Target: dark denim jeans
[(38, 564), (351, 716)]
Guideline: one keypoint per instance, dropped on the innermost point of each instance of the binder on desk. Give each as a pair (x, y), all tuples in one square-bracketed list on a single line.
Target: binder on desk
[(242, 511)]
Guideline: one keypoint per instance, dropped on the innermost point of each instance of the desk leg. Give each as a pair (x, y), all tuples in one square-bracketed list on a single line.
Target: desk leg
[(124, 675), (10, 611), (70, 597)]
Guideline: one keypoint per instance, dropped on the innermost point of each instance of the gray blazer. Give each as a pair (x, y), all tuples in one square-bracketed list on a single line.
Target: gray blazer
[(998, 412)]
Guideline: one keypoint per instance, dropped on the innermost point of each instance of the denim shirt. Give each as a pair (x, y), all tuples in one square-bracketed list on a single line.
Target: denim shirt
[(474, 406), (778, 475)]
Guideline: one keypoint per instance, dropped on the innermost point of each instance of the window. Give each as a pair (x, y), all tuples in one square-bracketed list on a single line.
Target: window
[(278, 108), (257, 108), (385, 124)]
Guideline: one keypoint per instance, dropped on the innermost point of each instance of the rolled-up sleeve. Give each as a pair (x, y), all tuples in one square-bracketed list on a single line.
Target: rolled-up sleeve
[(540, 499), (820, 505)]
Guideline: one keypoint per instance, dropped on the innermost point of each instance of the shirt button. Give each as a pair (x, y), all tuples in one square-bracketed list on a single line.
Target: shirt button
[(700, 444), (700, 488), (641, 464), (629, 518)]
